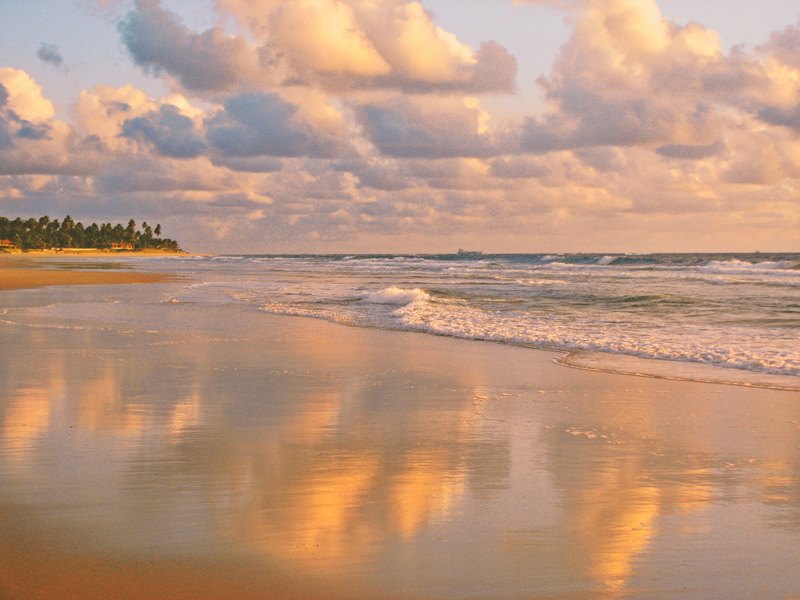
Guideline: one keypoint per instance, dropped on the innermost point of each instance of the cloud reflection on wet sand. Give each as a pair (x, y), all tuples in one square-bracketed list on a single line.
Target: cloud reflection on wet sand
[(321, 455)]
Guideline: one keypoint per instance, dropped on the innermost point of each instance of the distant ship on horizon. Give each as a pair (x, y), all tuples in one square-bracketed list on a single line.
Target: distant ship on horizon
[(469, 253)]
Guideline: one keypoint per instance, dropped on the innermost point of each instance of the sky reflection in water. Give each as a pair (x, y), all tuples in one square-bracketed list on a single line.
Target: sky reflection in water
[(386, 463)]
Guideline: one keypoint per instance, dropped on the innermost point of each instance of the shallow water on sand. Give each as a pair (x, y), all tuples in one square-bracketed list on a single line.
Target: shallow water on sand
[(227, 456)]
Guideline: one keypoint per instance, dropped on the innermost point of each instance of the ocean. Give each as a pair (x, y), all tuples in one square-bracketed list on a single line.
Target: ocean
[(737, 312)]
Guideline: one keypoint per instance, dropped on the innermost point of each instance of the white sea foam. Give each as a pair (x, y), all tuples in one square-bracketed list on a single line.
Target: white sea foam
[(606, 260), (784, 267), (736, 348), (397, 296)]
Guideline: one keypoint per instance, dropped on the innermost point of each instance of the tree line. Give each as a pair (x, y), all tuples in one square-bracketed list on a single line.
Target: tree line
[(44, 233)]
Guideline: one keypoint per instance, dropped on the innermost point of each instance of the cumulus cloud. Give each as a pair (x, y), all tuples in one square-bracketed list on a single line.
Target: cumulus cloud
[(104, 112), (424, 57), (630, 77), (404, 127), (337, 44), (379, 174), (149, 174), (266, 124), (31, 139), (519, 167), (49, 54), (786, 117), (6, 137), (688, 152), (326, 120), (24, 96), (248, 164), (324, 37), (13, 126), (169, 132), (157, 40), (785, 45)]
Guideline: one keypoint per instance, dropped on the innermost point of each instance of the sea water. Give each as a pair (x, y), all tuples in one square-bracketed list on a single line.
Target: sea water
[(740, 312), (737, 311)]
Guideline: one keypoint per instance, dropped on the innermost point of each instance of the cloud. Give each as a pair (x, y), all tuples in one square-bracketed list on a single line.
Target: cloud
[(169, 132), (104, 113), (31, 139), (265, 124), (158, 41), (248, 164), (519, 167), (24, 96), (150, 174), (403, 127), (629, 77), (355, 123), (785, 117), (785, 45), (49, 54), (324, 37), (689, 152), (340, 45), (7, 119), (378, 174), (426, 58), (6, 136)]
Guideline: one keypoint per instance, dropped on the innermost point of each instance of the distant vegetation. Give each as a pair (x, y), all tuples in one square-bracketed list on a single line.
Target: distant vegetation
[(43, 233)]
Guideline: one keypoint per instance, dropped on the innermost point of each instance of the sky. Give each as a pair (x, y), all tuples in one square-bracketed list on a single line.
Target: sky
[(408, 126)]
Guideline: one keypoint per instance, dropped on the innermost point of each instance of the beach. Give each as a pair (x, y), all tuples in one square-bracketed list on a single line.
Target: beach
[(162, 441), (38, 269)]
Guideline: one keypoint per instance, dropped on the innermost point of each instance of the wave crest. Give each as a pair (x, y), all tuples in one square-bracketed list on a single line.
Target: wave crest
[(397, 296)]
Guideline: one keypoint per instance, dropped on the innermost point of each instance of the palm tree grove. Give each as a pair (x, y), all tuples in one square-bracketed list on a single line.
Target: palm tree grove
[(44, 233)]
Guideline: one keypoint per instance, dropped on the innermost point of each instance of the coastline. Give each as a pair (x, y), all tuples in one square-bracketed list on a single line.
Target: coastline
[(204, 451), (93, 252), (32, 269)]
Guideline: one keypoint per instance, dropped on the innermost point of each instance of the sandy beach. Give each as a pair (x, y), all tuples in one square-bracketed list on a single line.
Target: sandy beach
[(158, 449), (38, 269)]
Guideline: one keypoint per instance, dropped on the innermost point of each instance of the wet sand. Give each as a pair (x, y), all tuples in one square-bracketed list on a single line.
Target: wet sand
[(198, 452), (19, 271), (11, 279)]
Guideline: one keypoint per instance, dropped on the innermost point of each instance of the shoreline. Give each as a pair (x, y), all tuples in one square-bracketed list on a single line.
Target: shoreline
[(671, 370), (17, 273), (624, 365), (92, 253)]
